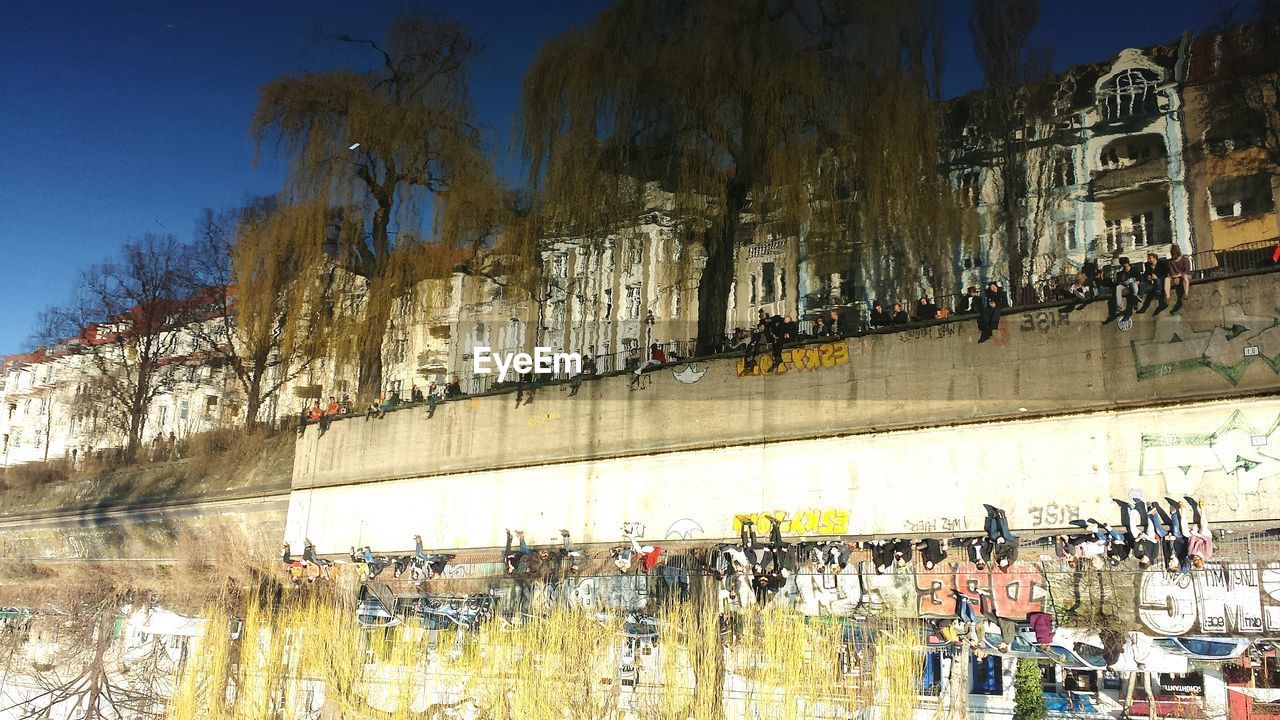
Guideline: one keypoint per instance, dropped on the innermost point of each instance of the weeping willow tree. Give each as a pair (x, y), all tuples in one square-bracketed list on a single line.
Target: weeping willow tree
[(261, 323), (792, 115), (388, 179)]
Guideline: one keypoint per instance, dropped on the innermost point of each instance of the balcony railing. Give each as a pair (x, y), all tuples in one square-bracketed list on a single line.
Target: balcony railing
[(1113, 181), (1113, 246)]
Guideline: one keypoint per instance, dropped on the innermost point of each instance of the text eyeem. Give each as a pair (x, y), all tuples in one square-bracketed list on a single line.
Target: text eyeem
[(543, 361)]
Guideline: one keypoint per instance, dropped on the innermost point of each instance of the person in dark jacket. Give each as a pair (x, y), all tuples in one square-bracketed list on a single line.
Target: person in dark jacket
[(926, 310), (1124, 285), (879, 317), (1154, 271), (993, 299), (899, 315), (970, 303)]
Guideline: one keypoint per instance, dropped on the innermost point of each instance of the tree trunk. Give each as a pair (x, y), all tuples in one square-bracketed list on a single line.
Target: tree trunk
[(372, 333), (717, 276), (253, 395)]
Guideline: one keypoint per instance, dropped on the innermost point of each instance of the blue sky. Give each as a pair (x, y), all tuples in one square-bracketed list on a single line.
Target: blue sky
[(120, 119)]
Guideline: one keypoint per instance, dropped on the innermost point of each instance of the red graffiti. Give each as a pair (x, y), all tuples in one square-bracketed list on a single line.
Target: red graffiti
[(1015, 593)]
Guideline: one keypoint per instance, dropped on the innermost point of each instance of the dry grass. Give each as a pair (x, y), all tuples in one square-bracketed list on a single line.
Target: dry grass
[(211, 463), (306, 654)]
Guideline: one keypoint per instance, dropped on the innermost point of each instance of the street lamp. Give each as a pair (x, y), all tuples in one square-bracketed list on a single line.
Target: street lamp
[(649, 323)]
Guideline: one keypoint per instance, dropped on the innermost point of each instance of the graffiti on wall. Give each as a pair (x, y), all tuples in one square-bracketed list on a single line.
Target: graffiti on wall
[(814, 521), (1220, 599), (1228, 347), (1015, 593), (935, 332), (1053, 515), (1237, 448), (957, 523), (811, 357), (913, 592)]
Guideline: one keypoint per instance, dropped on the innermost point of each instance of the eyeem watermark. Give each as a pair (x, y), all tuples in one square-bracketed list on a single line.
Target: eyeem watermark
[(543, 361)]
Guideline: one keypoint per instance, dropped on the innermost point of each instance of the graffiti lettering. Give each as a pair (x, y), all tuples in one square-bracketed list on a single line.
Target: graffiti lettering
[(1053, 514), (1222, 598), (828, 521), (633, 528), (812, 357), (1175, 346), (1015, 593), (1043, 320), (940, 524), (542, 418), (936, 332)]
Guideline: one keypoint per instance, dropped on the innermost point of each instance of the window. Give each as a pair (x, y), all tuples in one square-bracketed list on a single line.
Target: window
[(191, 374), (1241, 196), (931, 674), (675, 302), (164, 416), (1144, 225), (1236, 133), (987, 675), (1115, 235), (560, 265), (782, 284), (183, 408), (1064, 169), (1129, 92), (753, 290), (632, 309), (768, 288), (968, 187), (635, 251), (1067, 235)]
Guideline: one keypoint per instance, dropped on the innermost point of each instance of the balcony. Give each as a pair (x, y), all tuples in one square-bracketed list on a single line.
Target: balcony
[(1106, 183)]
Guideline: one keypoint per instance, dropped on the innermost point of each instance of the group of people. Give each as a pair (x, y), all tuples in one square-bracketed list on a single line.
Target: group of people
[(1178, 536), (1156, 280), (433, 395), (997, 547), (772, 333), (308, 568)]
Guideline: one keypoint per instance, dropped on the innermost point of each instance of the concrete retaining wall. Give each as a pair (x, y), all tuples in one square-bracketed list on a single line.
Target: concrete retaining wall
[(1043, 471), (1039, 362)]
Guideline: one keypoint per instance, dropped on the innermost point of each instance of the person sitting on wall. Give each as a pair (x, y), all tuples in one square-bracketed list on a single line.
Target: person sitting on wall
[(415, 394), (333, 408), (525, 387), (1004, 544), (1125, 285), (573, 555), (517, 561), (1199, 536), (969, 304), (1136, 522), (347, 405), (899, 316), (315, 413), (1168, 529), (588, 371), (993, 300), (434, 393), (454, 388), (879, 317), (1179, 277), (932, 552), (377, 408), (926, 310), (759, 339), (644, 557), (1082, 291), (1154, 272)]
